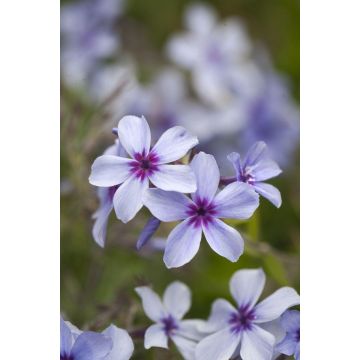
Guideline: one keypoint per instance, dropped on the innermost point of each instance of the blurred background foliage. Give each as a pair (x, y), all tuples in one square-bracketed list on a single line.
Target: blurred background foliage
[(97, 285)]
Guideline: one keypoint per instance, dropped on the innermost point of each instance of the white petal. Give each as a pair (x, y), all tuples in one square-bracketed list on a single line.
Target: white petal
[(167, 205), (178, 178), (151, 303), (183, 50), (207, 175), (274, 305), (224, 239), (269, 192), (134, 134), (66, 338), (109, 170), (221, 311), (257, 344), (128, 198), (173, 144), (101, 221), (236, 201), (246, 286), (185, 346), (182, 244), (200, 18), (177, 299), (218, 346), (123, 346), (155, 336), (193, 329)]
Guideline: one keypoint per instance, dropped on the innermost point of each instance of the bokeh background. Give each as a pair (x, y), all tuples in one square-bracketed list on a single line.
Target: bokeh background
[(116, 60)]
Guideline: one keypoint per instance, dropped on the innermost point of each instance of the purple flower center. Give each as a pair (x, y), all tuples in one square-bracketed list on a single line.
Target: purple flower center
[(242, 319), (144, 165), (66, 357), (246, 177), (169, 325), (201, 212)]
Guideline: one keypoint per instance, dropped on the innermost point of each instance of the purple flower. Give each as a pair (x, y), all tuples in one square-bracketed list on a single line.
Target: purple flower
[(201, 214), (237, 330), (257, 167), (290, 345), (168, 316), (145, 164), (112, 344)]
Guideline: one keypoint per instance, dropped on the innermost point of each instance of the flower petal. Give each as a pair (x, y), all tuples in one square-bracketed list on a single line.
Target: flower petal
[(269, 192), (134, 134), (236, 201), (192, 329), (151, 303), (235, 159), (257, 344), (290, 320), (218, 346), (177, 299), (287, 346), (183, 50), (155, 336), (182, 245), (207, 175), (166, 205), (147, 232), (123, 346), (173, 144), (128, 198), (109, 170), (174, 178), (246, 286), (185, 346), (274, 305), (224, 239), (101, 221), (221, 310), (66, 338), (91, 346)]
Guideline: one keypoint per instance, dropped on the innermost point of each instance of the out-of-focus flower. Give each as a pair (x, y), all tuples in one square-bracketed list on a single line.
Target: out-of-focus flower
[(168, 316), (290, 345), (255, 168), (237, 331), (201, 214), (112, 344), (145, 164)]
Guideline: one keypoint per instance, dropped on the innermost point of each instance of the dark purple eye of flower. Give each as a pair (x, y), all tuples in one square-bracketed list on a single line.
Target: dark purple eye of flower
[(144, 165), (246, 177), (242, 319), (169, 325), (66, 357), (201, 212)]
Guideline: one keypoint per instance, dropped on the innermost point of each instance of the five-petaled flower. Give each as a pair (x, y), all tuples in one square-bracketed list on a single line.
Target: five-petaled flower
[(290, 345), (168, 316), (201, 214), (255, 168), (145, 164), (112, 344), (237, 331)]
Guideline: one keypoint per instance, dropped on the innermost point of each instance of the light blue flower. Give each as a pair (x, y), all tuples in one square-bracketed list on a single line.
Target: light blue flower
[(290, 345), (255, 168), (236, 331), (168, 313), (146, 164), (201, 214)]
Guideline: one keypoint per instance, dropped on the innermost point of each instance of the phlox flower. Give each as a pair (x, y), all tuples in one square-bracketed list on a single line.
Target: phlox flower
[(145, 164), (112, 344), (168, 313), (256, 167), (201, 214), (236, 331)]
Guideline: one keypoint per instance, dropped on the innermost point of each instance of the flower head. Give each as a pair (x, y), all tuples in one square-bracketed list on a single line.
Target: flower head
[(255, 168), (236, 330), (168, 313), (132, 175), (201, 214)]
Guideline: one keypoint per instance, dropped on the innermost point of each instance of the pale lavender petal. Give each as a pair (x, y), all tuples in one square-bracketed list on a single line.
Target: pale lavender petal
[(173, 144), (109, 170), (134, 134), (182, 245), (224, 239), (183, 50), (123, 346), (246, 286), (269, 192), (115, 149), (151, 303), (155, 336), (236, 201), (185, 346), (200, 18), (218, 346), (91, 346), (101, 221), (221, 310), (290, 320), (235, 159), (287, 346), (257, 344), (66, 338), (274, 305), (192, 329), (128, 198), (177, 299), (297, 352), (174, 178), (167, 205), (148, 231), (207, 176)]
